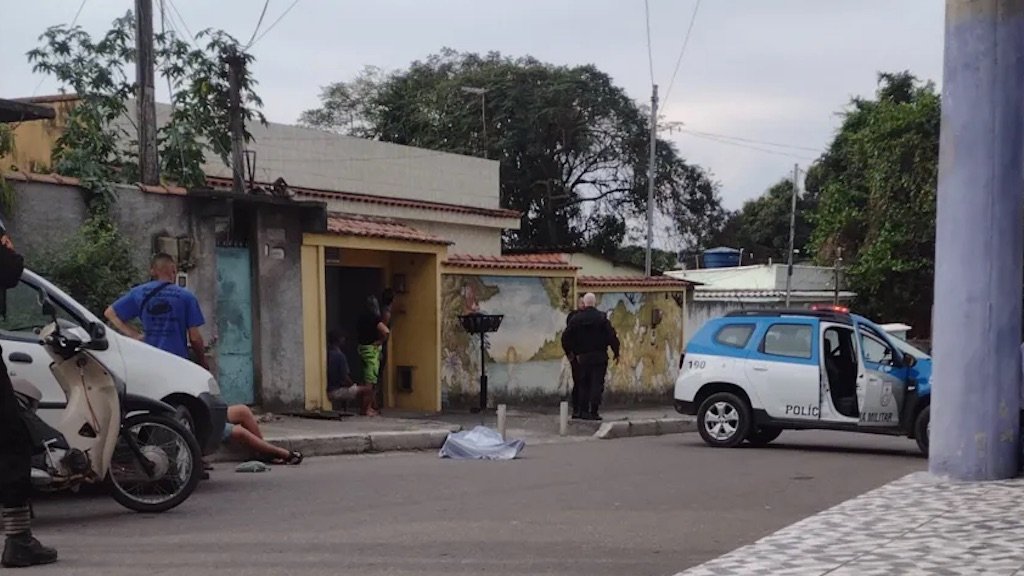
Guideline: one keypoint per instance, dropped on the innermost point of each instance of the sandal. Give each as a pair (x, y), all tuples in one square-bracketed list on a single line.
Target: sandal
[(294, 459)]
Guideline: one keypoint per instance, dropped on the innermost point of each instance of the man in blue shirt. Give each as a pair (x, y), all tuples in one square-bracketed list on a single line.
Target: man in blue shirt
[(170, 314)]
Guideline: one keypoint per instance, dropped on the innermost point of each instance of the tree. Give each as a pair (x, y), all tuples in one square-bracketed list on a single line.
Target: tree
[(96, 266), (876, 185), (761, 227), (573, 146), (96, 146)]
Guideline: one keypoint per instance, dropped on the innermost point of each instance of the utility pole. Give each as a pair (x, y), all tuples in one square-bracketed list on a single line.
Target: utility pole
[(651, 171), (483, 121), (792, 233), (976, 325), (835, 281), (482, 92), (149, 167), (235, 66)]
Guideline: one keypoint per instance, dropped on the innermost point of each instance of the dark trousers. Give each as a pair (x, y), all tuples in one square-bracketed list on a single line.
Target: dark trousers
[(577, 388), (592, 377), (15, 448)]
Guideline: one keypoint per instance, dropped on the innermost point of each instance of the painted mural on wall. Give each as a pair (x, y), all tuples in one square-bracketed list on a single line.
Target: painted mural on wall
[(524, 358), (650, 329)]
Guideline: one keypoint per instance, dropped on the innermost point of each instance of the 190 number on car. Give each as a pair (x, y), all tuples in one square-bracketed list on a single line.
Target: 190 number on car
[(696, 364)]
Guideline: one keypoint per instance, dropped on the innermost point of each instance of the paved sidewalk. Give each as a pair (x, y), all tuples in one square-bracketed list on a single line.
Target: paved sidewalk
[(917, 525), (417, 431)]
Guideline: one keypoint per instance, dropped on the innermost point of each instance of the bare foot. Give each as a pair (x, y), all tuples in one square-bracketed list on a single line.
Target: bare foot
[(372, 413)]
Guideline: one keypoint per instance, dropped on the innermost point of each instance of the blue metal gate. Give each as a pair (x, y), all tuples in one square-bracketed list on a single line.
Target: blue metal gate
[(234, 325)]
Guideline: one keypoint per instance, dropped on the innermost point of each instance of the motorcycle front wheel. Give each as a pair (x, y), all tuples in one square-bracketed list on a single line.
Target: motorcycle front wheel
[(174, 468)]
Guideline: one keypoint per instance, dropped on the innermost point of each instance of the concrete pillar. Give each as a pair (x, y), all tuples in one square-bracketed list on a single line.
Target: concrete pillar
[(978, 261)]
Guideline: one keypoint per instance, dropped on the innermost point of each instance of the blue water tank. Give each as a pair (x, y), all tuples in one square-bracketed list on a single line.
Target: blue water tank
[(721, 257)]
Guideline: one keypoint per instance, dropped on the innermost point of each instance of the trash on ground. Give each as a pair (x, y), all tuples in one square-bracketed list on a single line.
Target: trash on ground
[(480, 443), (252, 466)]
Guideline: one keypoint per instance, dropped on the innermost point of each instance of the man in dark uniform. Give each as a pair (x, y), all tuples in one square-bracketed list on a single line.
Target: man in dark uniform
[(577, 384), (586, 340), (20, 548)]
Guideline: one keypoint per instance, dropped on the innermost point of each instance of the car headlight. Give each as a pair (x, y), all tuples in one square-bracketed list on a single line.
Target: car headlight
[(214, 387)]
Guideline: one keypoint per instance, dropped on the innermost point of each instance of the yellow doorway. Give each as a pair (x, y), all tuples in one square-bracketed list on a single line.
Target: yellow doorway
[(412, 271)]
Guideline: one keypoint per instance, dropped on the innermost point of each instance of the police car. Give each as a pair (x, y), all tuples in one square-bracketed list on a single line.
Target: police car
[(751, 374)]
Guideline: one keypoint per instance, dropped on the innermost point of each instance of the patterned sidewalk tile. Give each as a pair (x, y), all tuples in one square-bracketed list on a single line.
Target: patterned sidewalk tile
[(914, 526)]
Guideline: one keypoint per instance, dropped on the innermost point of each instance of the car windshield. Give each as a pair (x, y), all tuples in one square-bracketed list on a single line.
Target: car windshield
[(908, 349)]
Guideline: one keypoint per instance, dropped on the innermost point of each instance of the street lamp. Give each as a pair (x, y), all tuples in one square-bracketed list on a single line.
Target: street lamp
[(482, 92)]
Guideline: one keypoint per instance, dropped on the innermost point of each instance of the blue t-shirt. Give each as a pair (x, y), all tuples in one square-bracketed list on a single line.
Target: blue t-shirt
[(168, 315)]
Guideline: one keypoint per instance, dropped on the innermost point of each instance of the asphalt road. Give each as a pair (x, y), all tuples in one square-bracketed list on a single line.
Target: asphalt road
[(624, 507)]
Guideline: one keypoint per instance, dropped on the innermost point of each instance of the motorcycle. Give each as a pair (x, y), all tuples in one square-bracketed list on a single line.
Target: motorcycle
[(135, 444)]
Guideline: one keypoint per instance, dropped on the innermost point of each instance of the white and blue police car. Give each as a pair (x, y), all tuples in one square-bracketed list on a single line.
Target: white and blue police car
[(751, 374)]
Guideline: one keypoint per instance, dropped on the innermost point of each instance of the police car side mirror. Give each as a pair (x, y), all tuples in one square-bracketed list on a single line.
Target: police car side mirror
[(909, 360)]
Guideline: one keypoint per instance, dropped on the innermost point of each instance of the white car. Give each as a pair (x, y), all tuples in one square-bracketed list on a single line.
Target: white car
[(146, 372)]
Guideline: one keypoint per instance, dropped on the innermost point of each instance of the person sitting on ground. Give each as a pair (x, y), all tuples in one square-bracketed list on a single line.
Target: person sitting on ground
[(340, 387), (243, 429)]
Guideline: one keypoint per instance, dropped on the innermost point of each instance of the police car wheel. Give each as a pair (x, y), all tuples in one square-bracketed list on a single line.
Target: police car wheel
[(762, 436), (922, 428), (723, 420)]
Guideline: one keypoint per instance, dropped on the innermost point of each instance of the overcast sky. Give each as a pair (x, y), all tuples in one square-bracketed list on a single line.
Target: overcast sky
[(763, 70)]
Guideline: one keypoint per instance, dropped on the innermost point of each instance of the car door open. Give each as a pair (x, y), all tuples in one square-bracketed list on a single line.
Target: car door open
[(881, 380)]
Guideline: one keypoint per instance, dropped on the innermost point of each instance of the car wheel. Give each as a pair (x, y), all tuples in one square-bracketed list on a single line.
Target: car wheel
[(184, 416), (923, 428), (763, 435), (723, 420)]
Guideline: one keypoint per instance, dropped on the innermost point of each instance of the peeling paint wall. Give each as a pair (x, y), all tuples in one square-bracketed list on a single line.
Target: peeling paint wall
[(649, 360), (525, 363), (524, 358)]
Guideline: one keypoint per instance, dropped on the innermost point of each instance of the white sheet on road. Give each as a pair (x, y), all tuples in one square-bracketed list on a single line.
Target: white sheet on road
[(480, 443)]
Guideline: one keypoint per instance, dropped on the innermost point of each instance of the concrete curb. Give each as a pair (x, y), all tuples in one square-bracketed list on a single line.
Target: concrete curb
[(651, 427), (354, 443)]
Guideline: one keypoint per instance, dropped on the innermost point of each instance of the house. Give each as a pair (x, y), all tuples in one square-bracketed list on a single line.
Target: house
[(329, 220), (721, 290)]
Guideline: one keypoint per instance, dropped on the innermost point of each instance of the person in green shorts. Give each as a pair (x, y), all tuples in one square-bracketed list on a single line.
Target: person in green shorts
[(371, 334)]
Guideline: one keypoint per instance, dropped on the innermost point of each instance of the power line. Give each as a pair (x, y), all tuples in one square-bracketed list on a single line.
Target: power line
[(183, 23), (749, 147), (682, 51), (79, 13), (279, 18), (72, 25), (650, 53), (748, 140), (252, 38)]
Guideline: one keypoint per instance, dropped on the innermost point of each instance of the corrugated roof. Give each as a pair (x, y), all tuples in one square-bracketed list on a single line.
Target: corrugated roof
[(633, 282), (712, 293), (385, 228), (511, 261), (70, 181), (382, 200)]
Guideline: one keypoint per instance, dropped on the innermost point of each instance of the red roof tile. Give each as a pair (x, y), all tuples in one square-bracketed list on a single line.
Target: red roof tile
[(70, 181), (367, 227), (511, 261), (666, 282), (218, 182)]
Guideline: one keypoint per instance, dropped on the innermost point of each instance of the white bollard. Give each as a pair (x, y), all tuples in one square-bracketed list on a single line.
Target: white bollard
[(502, 423), (563, 418)]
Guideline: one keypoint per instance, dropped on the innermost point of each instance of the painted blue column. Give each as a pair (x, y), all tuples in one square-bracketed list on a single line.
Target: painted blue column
[(979, 238)]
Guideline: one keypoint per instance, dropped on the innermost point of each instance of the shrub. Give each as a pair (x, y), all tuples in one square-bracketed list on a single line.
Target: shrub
[(95, 266)]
